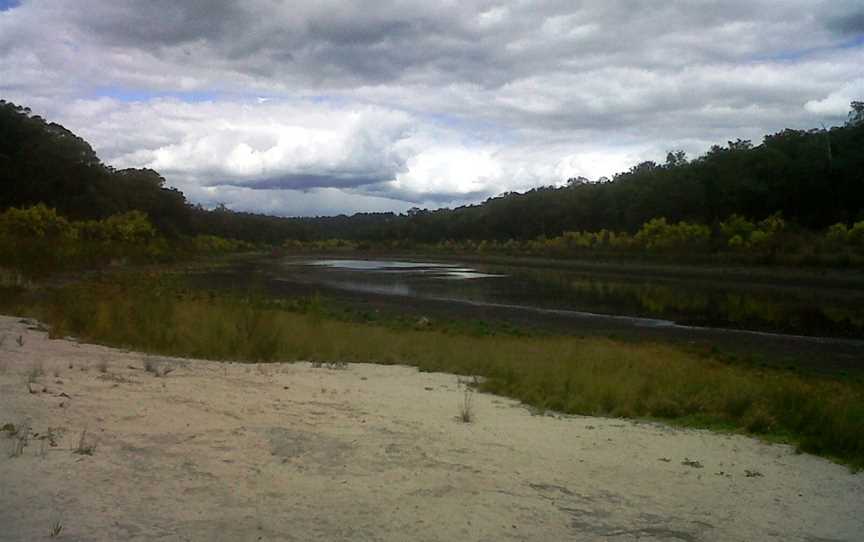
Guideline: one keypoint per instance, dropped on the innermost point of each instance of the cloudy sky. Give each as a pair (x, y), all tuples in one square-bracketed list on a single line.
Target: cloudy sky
[(309, 108)]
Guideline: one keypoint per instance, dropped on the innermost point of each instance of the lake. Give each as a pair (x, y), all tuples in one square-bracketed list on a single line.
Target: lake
[(770, 308), (815, 323)]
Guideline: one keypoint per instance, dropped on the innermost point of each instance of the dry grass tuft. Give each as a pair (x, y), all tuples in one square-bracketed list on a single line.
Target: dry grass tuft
[(466, 406), (84, 446), (20, 439), (35, 372), (55, 528)]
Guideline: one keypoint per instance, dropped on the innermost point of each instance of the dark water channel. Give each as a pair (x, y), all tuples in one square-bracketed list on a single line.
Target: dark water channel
[(821, 326), (765, 308)]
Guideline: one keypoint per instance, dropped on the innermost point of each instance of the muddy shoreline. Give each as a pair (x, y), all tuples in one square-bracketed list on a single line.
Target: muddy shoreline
[(826, 355)]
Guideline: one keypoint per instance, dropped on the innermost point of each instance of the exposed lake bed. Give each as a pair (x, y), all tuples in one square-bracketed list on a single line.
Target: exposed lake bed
[(818, 326)]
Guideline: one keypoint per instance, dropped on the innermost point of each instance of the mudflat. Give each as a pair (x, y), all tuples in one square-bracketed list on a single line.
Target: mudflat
[(105, 444)]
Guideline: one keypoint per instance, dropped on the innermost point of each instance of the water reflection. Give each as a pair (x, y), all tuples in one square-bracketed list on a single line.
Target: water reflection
[(440, 270), (800, 311)]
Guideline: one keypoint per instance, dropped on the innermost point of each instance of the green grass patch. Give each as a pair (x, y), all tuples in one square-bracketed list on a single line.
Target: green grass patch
[(591, 376)]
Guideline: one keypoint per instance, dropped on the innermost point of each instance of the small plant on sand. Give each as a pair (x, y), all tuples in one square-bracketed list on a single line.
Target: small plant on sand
[(151, 365), (34, 373), (20, 340), (84, 446), (334, 365), (156, 367), (466, 406), (102, 366), (55, 528), (21, 437)]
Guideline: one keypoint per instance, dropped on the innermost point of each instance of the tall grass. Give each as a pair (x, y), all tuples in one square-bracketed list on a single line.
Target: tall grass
[(593, 376)]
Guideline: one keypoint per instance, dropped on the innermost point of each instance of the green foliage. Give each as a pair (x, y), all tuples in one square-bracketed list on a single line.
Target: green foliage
[(37, 240), (210, 244), (658, 235)]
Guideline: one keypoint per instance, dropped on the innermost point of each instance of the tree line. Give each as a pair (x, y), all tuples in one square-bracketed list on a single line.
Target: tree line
[(811, 179)]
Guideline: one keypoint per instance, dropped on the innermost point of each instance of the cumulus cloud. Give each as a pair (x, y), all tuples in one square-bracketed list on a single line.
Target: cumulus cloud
[(306, 108), (837, 102)]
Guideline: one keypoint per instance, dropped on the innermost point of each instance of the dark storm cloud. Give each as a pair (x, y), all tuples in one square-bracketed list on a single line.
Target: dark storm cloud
[(851, 23), (304, 181), (160, 23)]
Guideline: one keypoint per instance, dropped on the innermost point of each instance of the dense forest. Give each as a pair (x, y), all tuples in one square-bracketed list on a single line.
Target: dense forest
[(808, 180), (813, 178)]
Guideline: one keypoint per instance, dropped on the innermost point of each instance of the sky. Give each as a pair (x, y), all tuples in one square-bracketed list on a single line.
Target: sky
[(328, 107)]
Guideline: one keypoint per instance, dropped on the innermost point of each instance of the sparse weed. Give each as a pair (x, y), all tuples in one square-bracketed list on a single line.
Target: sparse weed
[(35, 372), (84, 447), (20, 340), (55, 528), (466, 406), (20, 440), (333, 365), (102, 365), (151, 365)]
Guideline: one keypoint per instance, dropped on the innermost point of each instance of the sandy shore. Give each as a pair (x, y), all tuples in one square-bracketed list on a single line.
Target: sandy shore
[(219, 451)]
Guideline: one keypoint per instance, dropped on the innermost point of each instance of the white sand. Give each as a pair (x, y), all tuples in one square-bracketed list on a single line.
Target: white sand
[(217, 451)]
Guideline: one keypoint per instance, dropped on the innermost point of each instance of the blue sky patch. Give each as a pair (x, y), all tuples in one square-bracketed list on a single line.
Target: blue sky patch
[(137, 95), (6, 5)]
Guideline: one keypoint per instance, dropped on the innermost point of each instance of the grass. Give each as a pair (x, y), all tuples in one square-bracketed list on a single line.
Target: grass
[(589, 376), (466, 406), (55, 528)]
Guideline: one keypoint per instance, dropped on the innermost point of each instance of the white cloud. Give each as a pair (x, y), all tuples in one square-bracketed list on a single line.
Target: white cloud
[(837, 103), (340, 105)]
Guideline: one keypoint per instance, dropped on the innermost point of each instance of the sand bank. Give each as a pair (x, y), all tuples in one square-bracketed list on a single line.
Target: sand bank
[(228, 451)]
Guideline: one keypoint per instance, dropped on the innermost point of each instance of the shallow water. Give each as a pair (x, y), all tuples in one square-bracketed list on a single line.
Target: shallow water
[(767, 308)]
